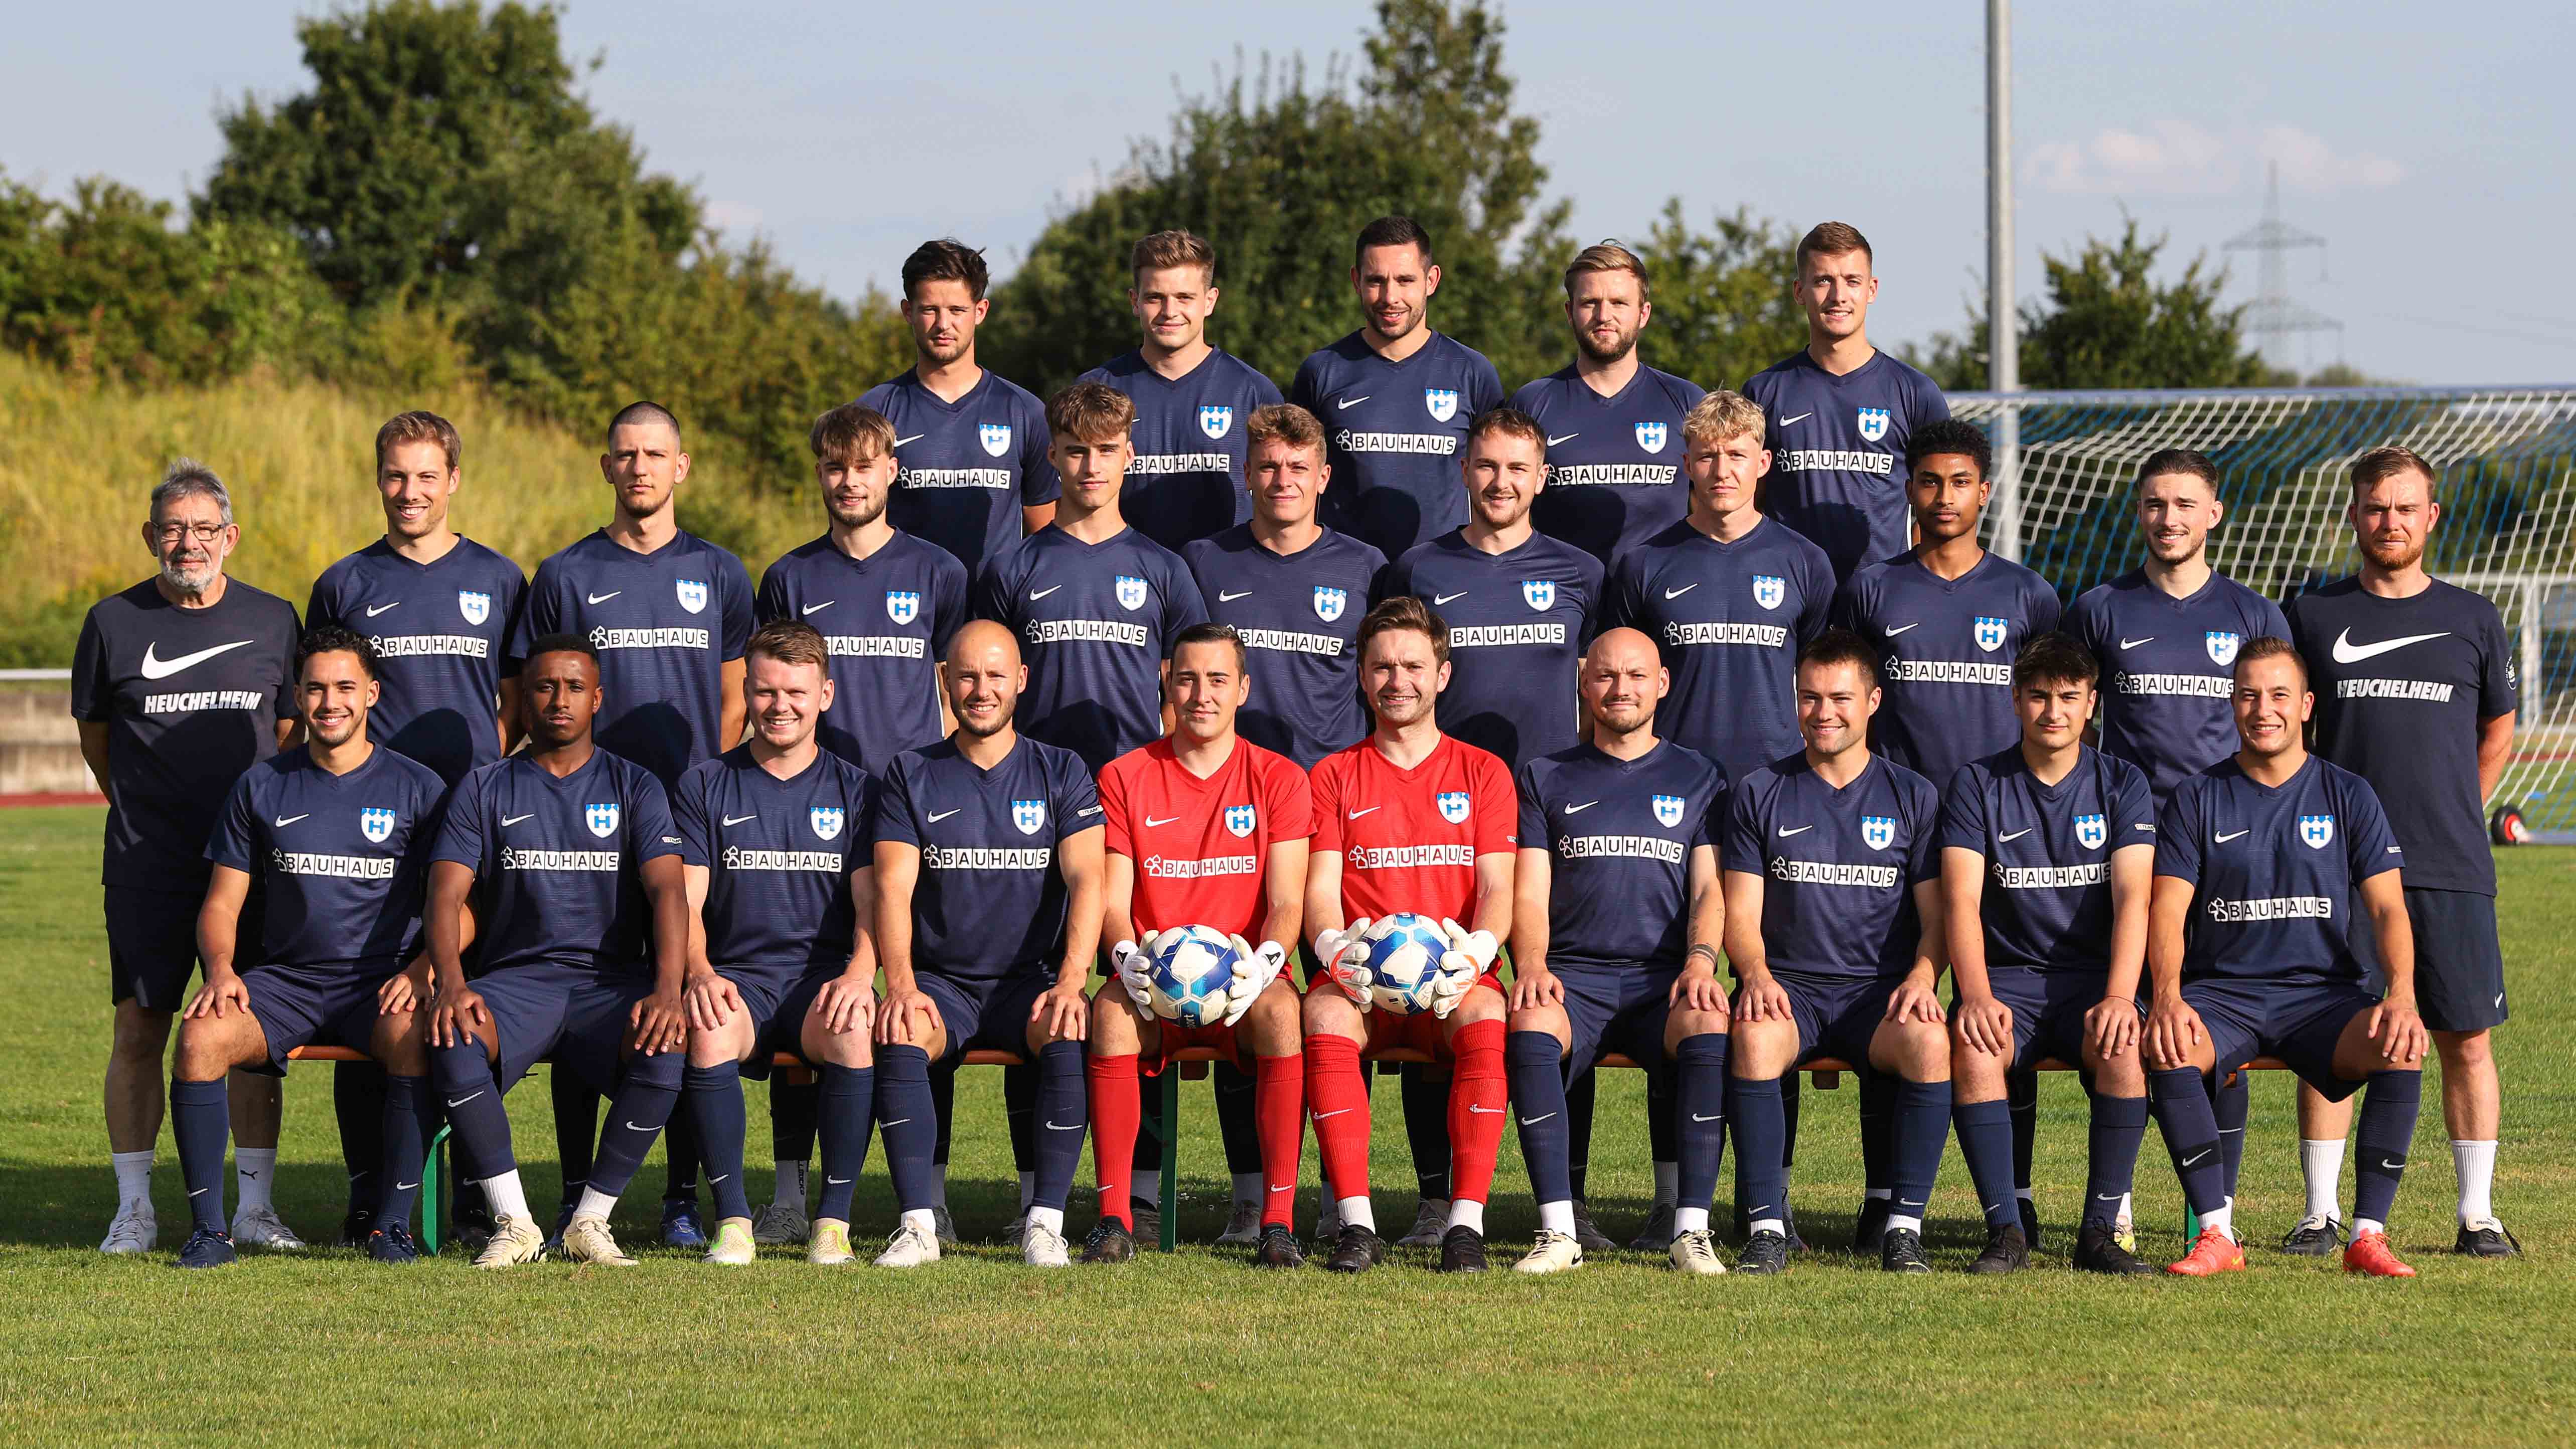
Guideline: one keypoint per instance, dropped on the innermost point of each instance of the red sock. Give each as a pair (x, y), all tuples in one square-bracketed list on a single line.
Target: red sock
[(1477, 1092), (1338, 1096), (1116, 1112), (1279, 1120)]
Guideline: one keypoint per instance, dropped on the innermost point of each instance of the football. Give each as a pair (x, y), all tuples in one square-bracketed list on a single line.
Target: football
[(1404, 956), (1193, 966)]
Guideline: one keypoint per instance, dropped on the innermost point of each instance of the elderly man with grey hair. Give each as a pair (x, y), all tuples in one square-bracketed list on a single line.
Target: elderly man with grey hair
[(179, 683)]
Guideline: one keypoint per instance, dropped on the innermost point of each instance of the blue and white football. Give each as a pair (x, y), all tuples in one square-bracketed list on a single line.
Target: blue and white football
[(1404, 957), (1193, 967)]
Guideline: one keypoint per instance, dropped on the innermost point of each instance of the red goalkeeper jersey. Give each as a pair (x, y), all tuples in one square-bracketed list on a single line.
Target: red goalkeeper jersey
[(1409, 838), (1201, 847)]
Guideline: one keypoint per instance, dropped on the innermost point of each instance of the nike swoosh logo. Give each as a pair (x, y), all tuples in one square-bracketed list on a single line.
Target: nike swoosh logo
[(2106, 1197), (509, 820), (1438, 599), (1283, 1187), (1711, 1117), (2195, 1157), (1336, 1112), (712, 1181), (291, 819), (157, 668), (2009, 839), (1578, 809), (897, 1122), (2223, 837), (2392, 1166), (938, 815), (2134, 643), (733, 820), (1896, 629), (1037, 594), (405, 1186), (1060, 1127), (1534, 1121), (631, 1127), (1352, 401), (1474, 1110), (1153, 824), (829, 1181), (2499, 998), (603, 598), (1677, 593), (915, 438), (461, 1101), (374, 609), (1568, 438), (1800, 418), (1356, 814), (1786, 831), (816, 608), (1223, 597), (201, 1192), (2347, 652)]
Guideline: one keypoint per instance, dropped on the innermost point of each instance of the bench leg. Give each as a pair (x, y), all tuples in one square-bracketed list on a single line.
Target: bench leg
[(436, 1204), (1170, 1113)]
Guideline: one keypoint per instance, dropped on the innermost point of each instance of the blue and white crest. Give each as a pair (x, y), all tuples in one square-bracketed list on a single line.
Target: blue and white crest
[(1668, 810), (996, 437), (475, 607), (1770, 591), (1873, 423), (377, 823), (903, 605), (602, 819), (1878, 832), (1453, 806), (2091, 831), (1650, 436), (1029, 815), (1216, 422), (1443, 402), (1239, 819), (2316, 832), (693, 595), (1991, 632), (1539, 594), (1329, 603), (1131, 592), (2222, 647), (827, 820)]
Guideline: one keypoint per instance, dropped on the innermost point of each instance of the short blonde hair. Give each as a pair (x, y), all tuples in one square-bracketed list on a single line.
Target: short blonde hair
[(1607, 256), (1284, 423), (1723, 415), (2387, 462), (1167, 249)]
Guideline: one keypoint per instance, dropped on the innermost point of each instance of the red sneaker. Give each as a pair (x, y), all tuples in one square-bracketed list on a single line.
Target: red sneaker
[(2212, 1252), (2369, 1253)]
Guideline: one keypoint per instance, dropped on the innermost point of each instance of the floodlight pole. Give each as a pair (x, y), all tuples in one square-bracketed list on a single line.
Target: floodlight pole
[(2003, 340)]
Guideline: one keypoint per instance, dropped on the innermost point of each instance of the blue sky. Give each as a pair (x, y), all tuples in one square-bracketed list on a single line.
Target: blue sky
[(2425, 143)]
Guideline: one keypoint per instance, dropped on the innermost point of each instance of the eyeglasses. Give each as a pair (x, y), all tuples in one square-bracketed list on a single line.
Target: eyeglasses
[(203, 532)]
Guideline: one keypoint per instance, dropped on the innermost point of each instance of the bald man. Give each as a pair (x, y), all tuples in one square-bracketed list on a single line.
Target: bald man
[(988, 862), (1617, 914)]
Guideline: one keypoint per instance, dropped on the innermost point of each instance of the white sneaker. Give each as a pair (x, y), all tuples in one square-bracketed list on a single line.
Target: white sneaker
[(910, 1247), (1554, 1252), (780, 1223), (513, 1241), (134, 1230), (1017, 1232), (586, 1239), (260, 1227), (1242, 1225), (733, 1245), (1696, 1252), (1043, 1247), (828, 1245), (1429, 1225)]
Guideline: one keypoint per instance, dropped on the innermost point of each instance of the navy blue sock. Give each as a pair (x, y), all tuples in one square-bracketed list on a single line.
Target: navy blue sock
[(909, 1119), (407, 1121), (1579, 1095), (2182, 1110), (1922, 1130), (1761, 1138), (201, 1119), (2387, 1129), (792, 1116), (2231, 1105), (576, 1105), (715, 1105), (1019, 1100), (1877, 1127), (475, 1120), (680, 1153), (1985, 1140), (943, 1104), (1233, 1121), (1698, 1105), (1535, 1069), (1662, 1142), (647, 1091), (358, 1100), (1064, 1110), (847, 1098), (1791, 1083), (2021, 1090), (1426, 1129), (2111, 1155)]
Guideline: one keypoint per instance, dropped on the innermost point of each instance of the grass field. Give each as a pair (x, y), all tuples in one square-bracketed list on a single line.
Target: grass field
[(1199, 1347)]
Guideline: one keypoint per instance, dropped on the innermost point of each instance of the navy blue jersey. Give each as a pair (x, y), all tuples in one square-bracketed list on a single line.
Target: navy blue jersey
[(1394, 432), (1947, 649), (2168, 669), (1840, 866), (989, 902), (665, 624), (1614, 464), (1619, 836), (2401, 686), (191, 698), (1518, 623), (964, 470), (1299, 615), (2047, 899), (1187, 478), (1838, 452), (2277, 873), (557, 863), (440, 630), (339, 861), (888, 619), (779, 854), (1096, 621), (1729, 619)]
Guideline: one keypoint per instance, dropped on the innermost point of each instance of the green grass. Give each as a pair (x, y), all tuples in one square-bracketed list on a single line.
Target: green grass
[(1199, 1347)]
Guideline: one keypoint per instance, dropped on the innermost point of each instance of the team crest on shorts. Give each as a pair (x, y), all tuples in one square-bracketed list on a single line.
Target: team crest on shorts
[(1770, 591), (1029, 815), (996, 437), (1239, 819), (1329, 603), (827, 820), (2222, 647), (693, 595), (1650, 436), (1991, 632), (1131, 592), (2091, 831), (1453, 806), (376, 823), (602, 819), (1539, 594), (475, 607), (2316, 832), (1878, 832), (1443, 402), (1216, 422), (1873, 423), (903, 605), (1668, 810)]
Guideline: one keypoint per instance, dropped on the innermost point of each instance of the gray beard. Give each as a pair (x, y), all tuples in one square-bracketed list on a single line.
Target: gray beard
[(182, 585)]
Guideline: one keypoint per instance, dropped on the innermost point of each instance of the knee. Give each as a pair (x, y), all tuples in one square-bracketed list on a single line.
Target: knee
[(1328, 1013), (1763, 1049), (203, 1055), (1549, 1020), (398, 1045), (2464, 1049), (2120, 1076), (1687, 1024), (140, 1034), (1482, 1003), (837, 1049), (1922, 1053), (715, 1048)]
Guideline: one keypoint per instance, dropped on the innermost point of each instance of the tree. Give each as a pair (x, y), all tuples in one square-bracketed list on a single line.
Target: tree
[(1723, 305)]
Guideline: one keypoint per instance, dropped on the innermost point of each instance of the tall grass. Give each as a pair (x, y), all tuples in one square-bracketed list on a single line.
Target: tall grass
[(78, 458)]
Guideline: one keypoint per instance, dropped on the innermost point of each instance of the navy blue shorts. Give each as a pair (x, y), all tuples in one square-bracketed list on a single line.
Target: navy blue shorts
[(2459, 963), (2298, 1020), (306, 1006), (778, 1002), (152, 944), (1616, 1009), (1836, 1015), (2048, 1011), (574, 1016), (984, 1015)]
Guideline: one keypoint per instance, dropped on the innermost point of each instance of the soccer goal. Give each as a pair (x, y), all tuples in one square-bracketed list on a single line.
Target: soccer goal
[(2508, 529)]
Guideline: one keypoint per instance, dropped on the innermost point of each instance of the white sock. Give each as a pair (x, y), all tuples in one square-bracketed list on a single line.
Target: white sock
[(2124, 1214), (1028, 1191), (1883, 1194), (1469, 1214), (2224, 1220), (1556, 1217), (1758, 1225), (2321, 1164), (1247, 1188), (1354, 1213), (1146, 1185), (254, 1173), (2474, 1162), (2361, 1226), (1668, 1183), (1690, 1220), (791, 1182), (508, 1198), (2023, 1193), (919, 1218), (595, 1204), (1905, 1222), (1051, 1219), (133, 1178)]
